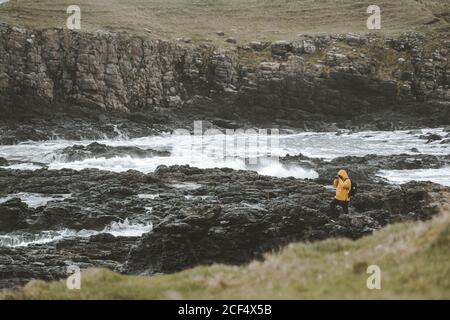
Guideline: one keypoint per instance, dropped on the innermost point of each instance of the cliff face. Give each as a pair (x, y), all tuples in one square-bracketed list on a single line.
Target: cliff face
[(114, 72), (288, 82), (349, 75)]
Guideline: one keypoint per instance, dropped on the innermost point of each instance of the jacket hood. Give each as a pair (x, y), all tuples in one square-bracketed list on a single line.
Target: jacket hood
[(343, 174)]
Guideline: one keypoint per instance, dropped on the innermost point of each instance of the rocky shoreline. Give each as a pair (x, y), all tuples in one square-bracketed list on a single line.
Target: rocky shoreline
[(195, 216), (71, 86)]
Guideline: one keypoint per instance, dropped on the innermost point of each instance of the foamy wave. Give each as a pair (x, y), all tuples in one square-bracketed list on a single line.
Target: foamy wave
[(34, 200), (117, 229), (441, 175), (209, 152), (146, 165), (277, 169), (330, 145), (23, 166)]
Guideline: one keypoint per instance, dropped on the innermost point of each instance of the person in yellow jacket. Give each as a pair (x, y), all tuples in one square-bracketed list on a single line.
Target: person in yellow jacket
[(343, 185)]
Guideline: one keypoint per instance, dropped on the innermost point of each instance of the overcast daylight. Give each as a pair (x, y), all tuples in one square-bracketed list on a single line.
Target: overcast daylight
[(241, 151)]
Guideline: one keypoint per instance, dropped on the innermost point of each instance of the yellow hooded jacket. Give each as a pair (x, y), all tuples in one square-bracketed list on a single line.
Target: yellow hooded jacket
[(343, 186)]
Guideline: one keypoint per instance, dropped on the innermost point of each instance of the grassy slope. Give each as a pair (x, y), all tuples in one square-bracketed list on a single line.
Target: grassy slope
[(414, 259), (244, 19)]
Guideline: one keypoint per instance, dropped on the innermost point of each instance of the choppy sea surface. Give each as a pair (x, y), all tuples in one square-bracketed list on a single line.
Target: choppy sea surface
[(216, 151), (210, 152)]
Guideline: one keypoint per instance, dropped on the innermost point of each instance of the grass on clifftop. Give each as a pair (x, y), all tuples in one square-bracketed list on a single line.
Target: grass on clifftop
[(246, 20), (414, 259)]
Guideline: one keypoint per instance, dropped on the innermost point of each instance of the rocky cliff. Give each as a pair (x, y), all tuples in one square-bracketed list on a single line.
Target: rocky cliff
[(332, 78)]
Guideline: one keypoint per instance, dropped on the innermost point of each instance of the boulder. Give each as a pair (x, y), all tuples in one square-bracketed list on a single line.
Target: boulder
[(97, 150), (13, 215), (281, 47)]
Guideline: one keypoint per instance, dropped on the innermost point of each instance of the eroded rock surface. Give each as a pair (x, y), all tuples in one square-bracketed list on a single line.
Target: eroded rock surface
[(350, 80), (98, 150), (196, 216)]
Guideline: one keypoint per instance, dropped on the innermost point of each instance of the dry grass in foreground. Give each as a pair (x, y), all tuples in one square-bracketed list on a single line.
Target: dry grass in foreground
[(414, 260)]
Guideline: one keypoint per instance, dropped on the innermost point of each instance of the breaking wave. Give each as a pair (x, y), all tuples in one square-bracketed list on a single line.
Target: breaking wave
[(440, 176), (209, 153), (117, 229)]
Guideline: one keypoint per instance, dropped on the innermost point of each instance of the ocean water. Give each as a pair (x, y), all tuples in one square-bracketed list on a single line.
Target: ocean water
[(34, 200), (239, 152), (117, 229), (211, 152), (441, 175)]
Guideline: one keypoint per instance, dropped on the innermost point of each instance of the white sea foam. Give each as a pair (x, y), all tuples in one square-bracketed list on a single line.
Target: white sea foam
[(117, 229), (279, 170), (191, 197), (148, 196), (208, 153), (23, 166), (441, 175), (332, 145), (34, 200), (186, 185)]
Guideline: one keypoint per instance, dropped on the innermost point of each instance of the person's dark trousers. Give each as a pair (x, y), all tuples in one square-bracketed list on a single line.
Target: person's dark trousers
[(335, 203)]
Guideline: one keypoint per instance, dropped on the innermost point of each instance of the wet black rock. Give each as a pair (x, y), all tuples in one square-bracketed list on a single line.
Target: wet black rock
[(19, 265), (282, 90), (22, 133), (241, 231), (13, 215), (199, 216), (78, 123), (3, 162), (97, 150), (431, 137)]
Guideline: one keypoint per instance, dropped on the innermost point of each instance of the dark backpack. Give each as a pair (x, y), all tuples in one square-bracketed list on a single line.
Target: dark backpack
[(353, 190)]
